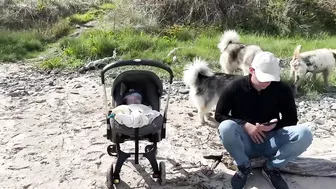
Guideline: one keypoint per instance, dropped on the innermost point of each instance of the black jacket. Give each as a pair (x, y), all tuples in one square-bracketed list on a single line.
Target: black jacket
[(249, 105)]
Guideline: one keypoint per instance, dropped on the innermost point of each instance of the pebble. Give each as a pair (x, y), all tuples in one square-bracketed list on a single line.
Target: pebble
[(183, 91), (318, 121), (333, 106)]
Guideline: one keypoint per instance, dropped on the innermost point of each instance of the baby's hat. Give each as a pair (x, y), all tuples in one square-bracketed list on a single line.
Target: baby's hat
[(133, 96), (132, 92)]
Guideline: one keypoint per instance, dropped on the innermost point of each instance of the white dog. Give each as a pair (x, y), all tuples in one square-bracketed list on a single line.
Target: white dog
[(235, 54), (315, 61), (205, 86)]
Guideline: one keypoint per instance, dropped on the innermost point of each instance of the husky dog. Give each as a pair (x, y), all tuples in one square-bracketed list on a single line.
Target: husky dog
[(235, 54), (315, 61), (205, 86)]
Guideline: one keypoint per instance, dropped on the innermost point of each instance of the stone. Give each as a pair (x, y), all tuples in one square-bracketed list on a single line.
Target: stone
[(333, 106), (183, 91)]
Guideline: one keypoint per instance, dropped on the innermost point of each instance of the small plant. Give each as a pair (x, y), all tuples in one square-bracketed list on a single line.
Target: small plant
[(86, 17), (179, 32), (107, 6), (58, 30), (60, 62), (52, 63)]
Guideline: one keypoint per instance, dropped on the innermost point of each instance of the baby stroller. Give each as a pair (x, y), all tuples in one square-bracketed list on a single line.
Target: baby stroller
[(151, 87)]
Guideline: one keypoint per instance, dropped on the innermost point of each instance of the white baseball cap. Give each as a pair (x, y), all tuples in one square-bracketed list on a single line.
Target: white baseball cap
[(266, 67)]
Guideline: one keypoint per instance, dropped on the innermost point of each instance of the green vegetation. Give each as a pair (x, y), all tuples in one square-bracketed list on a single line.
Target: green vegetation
[(23, 44), (19, 45), (147, 31)]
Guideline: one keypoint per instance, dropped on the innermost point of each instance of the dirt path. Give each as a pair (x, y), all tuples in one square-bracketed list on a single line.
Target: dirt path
[(52, 128)]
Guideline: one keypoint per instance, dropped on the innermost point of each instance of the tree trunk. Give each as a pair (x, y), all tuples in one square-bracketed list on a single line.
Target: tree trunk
[(320, 165)]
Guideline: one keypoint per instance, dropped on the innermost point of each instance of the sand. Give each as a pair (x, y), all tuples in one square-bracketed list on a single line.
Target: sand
[(52, 128)]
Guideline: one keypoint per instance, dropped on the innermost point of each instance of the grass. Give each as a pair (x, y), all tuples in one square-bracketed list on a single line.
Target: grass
[(19, 45), (92, 14), (31, 13), (153, 44), (137, 32), (28, 43), (25, 44), (130, 44)]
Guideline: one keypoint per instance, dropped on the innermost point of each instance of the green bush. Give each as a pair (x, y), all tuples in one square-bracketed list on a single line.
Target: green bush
[(18, 45), (279, 17)]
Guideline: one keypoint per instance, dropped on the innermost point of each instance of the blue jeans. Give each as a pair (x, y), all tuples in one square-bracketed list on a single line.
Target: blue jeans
[(279, 146)]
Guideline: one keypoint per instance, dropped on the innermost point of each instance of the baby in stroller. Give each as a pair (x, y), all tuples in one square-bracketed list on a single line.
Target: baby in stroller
[(133, 113), (135, 116)]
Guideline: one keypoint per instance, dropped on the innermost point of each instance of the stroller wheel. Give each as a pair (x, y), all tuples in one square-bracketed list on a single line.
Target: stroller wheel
[(162, 169), (148, 148), (110, 179), (112, 150)]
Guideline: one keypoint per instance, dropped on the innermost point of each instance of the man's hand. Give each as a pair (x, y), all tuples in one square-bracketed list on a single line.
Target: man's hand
[(269, 127), (255, 131)]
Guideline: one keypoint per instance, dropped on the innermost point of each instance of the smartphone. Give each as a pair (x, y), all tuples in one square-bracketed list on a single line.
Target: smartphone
[(270, 123)]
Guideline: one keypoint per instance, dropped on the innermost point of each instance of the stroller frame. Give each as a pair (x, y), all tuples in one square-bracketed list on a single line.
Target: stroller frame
[(113, 175)]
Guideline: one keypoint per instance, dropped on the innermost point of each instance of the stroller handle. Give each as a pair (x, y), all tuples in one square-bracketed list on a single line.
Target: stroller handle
[(137, 62)]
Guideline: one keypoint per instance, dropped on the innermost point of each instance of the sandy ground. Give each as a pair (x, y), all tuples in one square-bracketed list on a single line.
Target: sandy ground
[(52, 128)]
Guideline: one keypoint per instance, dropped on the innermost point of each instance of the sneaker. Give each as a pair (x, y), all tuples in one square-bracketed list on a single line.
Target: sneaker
[(274, 178), (239, 179)]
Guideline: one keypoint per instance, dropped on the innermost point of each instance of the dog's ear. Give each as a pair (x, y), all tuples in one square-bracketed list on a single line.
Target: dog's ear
[(297, 51)]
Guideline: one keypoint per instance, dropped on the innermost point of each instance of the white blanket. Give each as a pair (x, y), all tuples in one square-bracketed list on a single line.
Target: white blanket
[(134, 115)]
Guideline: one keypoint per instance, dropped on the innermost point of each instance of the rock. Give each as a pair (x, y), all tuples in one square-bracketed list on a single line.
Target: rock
[(77, 86), (318, 121), (51, 83), (333, 106), (302, 103), (14, 94), (183, 91), (40, 101), (332, 115)]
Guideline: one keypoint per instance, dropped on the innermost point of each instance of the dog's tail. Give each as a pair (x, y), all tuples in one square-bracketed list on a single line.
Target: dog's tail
[(194, 70), (229, 36)]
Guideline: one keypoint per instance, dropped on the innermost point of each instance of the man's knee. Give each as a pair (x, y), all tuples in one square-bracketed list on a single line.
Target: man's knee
[(227, 129), (305, 136)]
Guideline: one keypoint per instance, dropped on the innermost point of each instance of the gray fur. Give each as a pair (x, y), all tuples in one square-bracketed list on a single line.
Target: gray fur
[(240, 56), (236, 51), (308, 60), (205, 86), (209, 87)]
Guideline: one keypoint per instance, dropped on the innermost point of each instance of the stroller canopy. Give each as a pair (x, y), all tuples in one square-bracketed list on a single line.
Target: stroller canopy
[(147, 83)]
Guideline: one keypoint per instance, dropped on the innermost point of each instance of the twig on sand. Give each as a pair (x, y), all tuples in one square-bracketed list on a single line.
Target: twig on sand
[(18, 168)]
